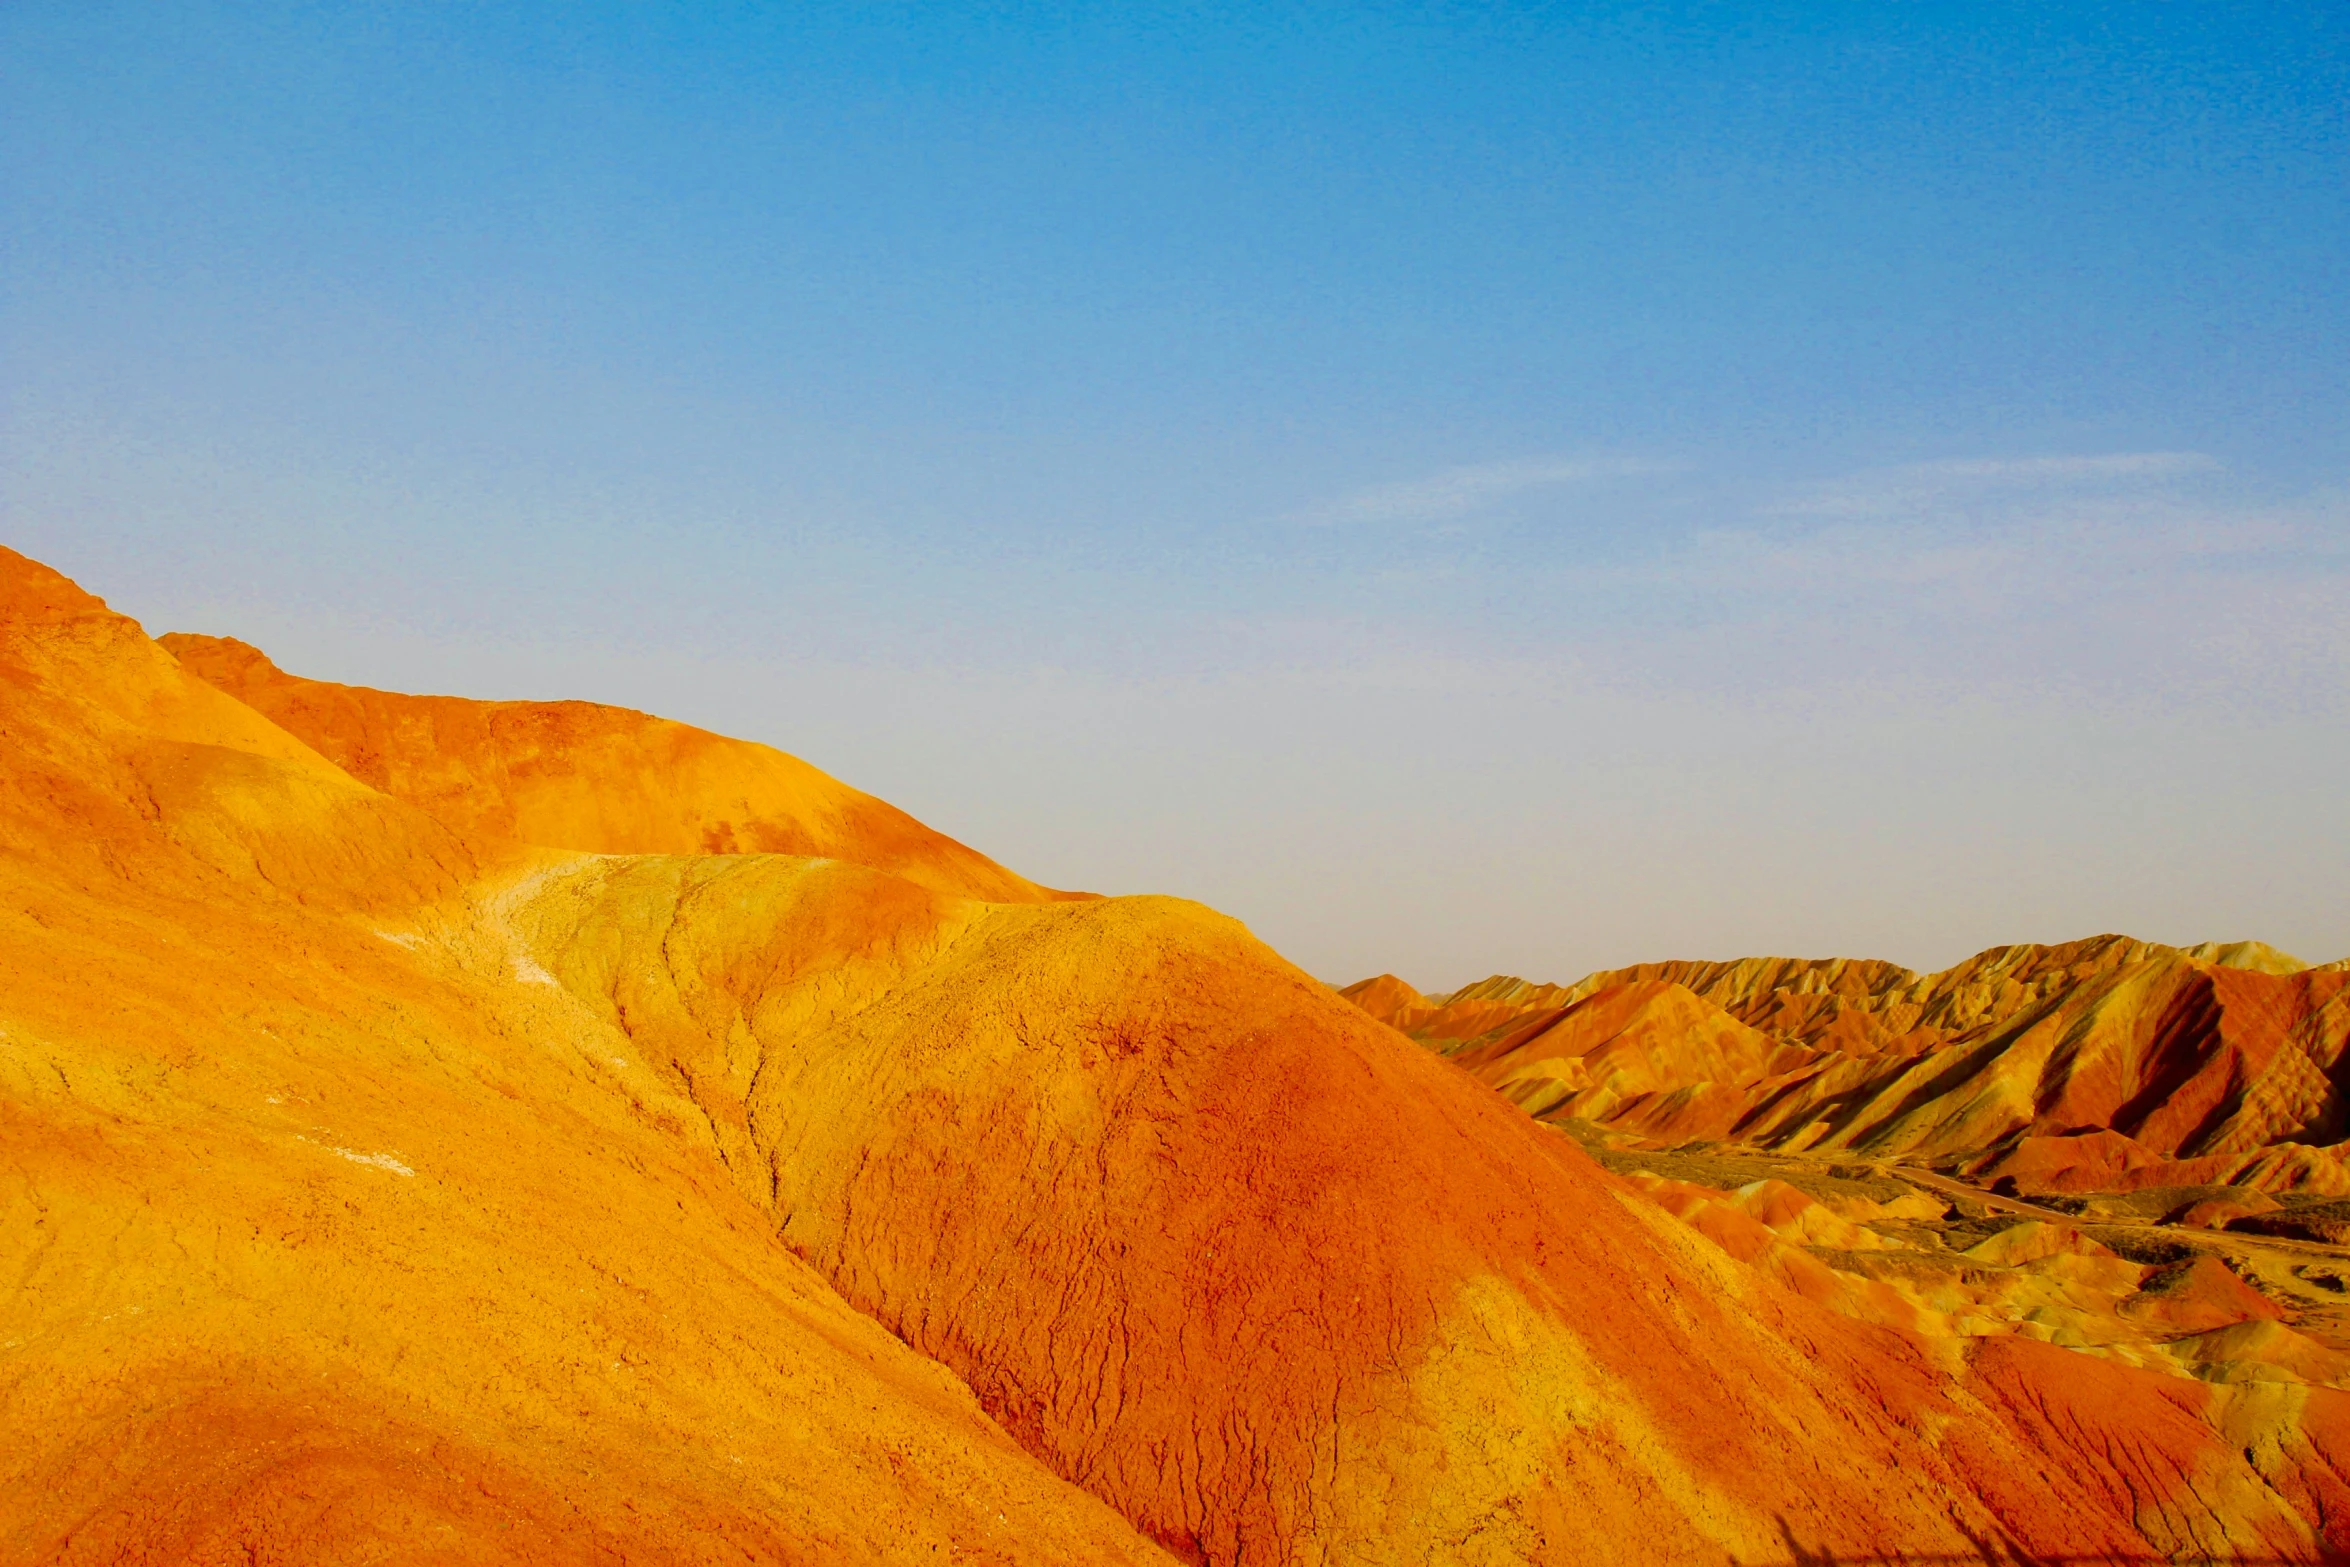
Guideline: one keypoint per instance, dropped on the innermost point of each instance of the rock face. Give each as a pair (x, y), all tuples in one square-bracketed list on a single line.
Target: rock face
[(402, 1166)]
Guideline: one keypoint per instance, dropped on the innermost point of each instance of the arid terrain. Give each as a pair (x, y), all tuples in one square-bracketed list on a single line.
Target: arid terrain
[(2131, 1150), (464, 1132)]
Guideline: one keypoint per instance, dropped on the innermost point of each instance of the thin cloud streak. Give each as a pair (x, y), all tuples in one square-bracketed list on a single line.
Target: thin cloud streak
[(1456, 492), (2190, 604), (1915, 486)]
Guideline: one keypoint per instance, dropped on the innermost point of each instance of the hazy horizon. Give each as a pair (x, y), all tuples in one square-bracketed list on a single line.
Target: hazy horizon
[(1513, 494)]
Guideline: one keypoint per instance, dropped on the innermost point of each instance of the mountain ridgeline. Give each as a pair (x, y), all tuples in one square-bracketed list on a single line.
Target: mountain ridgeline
[(2083, 1066), (468, 1132)]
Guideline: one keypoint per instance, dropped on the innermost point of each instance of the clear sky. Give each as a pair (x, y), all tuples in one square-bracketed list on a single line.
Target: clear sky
[(1460, 488)]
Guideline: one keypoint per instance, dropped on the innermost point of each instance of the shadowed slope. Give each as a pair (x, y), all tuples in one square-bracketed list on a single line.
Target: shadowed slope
[(579, 775), (328, 1241)]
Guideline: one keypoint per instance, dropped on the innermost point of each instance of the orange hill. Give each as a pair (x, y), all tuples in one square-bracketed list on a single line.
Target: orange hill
[(579, 775), (380, 1189), (327, 1242)]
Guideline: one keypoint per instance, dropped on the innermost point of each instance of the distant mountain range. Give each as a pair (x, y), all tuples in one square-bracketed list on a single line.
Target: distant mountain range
[(2104, 1064)]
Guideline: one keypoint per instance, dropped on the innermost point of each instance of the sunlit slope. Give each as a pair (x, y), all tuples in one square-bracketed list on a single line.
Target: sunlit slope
[(379, 1193), (118, 765), (579, 775), (2212, 1064), (324, 1239), (1282, 1287)]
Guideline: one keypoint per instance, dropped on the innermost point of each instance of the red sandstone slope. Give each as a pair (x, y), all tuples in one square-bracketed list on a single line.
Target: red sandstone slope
[(1282, 1288), (2160, 1095), (2191, 1065), (579, 775), (369, 1195)]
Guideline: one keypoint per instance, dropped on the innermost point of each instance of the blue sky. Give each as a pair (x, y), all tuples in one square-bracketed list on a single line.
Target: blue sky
[(1459, 488)]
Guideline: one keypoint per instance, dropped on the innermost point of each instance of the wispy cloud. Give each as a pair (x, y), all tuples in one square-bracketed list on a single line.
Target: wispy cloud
[(2162, 596), (1971, 480), (1456, 492)]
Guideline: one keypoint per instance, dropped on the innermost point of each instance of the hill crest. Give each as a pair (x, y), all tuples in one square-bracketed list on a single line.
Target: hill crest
[(595, 778)]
